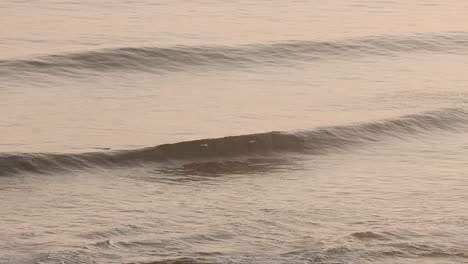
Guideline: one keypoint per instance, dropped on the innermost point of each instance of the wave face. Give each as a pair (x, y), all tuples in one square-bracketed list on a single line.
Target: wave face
[(317, 141), (180, 58)]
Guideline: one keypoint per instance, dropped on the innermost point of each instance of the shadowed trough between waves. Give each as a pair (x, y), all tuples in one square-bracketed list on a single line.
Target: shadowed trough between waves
[(316, 141)]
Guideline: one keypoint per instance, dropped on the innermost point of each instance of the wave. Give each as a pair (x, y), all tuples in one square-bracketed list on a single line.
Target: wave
[(343, 254), (181, 261), (368, 235), (316, 141), (179, 58)]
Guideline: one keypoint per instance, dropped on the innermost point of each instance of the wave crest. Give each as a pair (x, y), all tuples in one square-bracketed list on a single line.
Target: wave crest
[(316, 141)]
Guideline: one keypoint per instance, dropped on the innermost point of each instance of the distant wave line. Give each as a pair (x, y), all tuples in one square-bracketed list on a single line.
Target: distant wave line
[(180, 58)]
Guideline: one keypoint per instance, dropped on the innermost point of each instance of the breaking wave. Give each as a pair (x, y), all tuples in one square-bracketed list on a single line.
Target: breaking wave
[(316, 141), (179, 58)]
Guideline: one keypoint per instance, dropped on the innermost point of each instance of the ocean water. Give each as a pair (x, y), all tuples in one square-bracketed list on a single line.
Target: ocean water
[(189, 132)]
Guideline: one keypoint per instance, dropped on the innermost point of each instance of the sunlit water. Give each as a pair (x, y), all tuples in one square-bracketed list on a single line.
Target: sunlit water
[(325, 132)]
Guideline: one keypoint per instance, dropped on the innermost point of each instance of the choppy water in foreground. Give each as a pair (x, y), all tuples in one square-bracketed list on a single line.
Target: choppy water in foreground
[(236, 132)]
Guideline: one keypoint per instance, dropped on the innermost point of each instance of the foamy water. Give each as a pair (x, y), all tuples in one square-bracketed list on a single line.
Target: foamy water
[(235, 132)]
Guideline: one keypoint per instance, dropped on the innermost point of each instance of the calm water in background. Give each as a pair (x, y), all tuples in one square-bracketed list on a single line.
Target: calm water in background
[(368, 166)]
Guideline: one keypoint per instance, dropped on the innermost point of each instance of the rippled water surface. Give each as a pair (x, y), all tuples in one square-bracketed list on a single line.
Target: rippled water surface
[(233, 132)]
